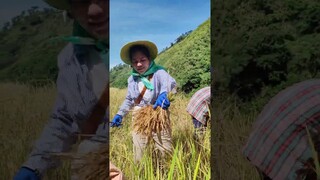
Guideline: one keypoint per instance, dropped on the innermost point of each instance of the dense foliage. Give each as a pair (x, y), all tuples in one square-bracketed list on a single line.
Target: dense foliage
[(119, 75), (27, 53), (261, 47)]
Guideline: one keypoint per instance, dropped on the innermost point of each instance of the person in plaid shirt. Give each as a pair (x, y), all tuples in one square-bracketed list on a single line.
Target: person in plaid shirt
[(198, 108), (279, 145)]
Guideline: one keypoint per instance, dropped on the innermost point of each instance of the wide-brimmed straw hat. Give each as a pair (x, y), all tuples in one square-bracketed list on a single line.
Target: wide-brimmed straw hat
[(59, 4), (125, 51)]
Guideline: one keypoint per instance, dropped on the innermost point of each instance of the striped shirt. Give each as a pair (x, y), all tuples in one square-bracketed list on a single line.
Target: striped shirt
[(199, 104), (278, 144), (81, 80)]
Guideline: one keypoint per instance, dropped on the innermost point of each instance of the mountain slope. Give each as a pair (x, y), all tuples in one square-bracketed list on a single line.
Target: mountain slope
[(26, 51)]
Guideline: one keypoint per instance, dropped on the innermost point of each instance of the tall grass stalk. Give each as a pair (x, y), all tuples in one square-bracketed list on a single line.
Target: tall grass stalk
[(314, 154)]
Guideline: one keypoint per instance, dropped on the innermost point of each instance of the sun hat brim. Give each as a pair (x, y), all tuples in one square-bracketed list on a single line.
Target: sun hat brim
[(125, 56), (59, 4)]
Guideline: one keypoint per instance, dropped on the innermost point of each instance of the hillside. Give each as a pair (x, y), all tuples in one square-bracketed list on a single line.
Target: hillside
[(188, 61), (26, 52), (261, 47)]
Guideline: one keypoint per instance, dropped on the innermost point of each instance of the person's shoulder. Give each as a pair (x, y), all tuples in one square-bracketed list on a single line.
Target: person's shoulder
[(202, 91), (65, 55), (130, 79), (208, 88), (161, 72)]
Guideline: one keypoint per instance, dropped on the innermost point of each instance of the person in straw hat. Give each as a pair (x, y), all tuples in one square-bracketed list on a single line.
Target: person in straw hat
[(280, 144), (83, 90), (149, 84)]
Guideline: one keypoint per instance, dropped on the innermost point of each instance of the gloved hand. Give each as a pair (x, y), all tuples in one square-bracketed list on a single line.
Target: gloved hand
[(162, 101), (26, 174), (116, 121)]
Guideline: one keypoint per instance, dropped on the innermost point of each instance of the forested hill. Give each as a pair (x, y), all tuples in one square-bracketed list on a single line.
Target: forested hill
[(28, 55), (187, 60), (260, 47), (26, 52)]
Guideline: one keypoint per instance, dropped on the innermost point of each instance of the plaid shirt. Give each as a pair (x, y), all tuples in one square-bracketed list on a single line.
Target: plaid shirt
[(199, 103), (278, 144), (81, 80)]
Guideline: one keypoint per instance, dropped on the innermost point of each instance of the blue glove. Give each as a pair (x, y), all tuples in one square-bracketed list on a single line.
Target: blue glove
[(162, 101), (116, 121), (26, 174)]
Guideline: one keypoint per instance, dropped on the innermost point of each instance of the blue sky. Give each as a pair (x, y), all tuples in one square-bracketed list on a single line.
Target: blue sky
[(160, 21)]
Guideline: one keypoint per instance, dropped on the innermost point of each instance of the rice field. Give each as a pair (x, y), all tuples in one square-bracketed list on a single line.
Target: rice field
[(190, 160), (25, 110), (231, 129), (23, 113)]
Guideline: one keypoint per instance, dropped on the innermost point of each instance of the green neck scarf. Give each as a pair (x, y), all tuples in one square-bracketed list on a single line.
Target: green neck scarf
[(152, 69), (82, 37)]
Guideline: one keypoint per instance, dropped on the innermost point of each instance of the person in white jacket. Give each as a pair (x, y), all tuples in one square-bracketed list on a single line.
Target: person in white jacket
[(148, 84), (82, 84)]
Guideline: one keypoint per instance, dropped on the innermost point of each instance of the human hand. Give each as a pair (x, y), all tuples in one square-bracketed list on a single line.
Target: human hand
[(25, 173), (162, 101), (116, 121)]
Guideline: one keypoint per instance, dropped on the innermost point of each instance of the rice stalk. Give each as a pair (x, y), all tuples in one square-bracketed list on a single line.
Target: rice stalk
[(149, 120), (314, 154), (93, 166)]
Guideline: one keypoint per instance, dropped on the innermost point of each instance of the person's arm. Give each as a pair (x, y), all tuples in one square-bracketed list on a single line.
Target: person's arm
[(164, 84), (129, 100), (167, 83), (57, 135)]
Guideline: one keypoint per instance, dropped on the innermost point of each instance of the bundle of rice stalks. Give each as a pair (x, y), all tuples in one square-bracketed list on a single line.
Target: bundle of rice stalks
[(92, 166), (148, 120), (96, 165)]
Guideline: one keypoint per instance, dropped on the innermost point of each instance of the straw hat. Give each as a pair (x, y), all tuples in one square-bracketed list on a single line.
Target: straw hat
[(152, 48), (59, 4)]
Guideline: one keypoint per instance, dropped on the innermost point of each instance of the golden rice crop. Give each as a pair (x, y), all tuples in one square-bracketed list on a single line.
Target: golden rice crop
[(96, 164), (93, 165), (148, 120)]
